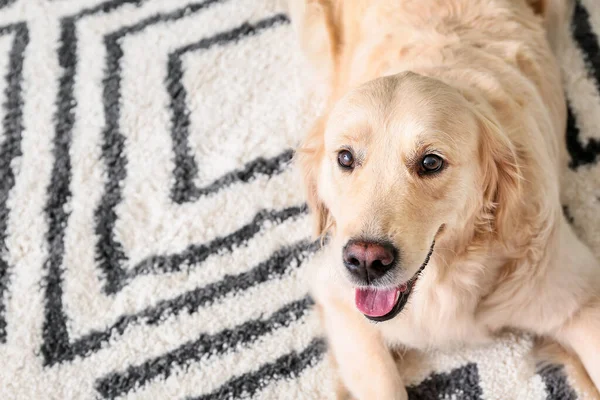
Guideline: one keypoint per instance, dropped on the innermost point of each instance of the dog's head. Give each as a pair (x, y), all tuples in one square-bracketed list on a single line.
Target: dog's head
[(396, 164)]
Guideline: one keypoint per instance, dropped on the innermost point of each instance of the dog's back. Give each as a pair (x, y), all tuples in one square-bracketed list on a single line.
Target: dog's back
[(340, 39)]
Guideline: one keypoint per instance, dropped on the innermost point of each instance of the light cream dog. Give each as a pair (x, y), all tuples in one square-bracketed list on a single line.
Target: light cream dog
[(434, 171)]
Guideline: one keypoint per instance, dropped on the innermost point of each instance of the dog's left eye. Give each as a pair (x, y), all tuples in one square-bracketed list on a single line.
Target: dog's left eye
[(346, 159), (432, 163)]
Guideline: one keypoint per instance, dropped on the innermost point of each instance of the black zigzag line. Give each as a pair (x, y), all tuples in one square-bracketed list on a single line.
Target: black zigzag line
[(110, 254), (55, 335), (461, 383), (10, 147), (580, 155), (120, 383), (4, 3), (568, 215), (287, 366), (587, 41), (279, 264), (197, 253), (109, 251), (119, 277), (556, 383), (186, 168), (56, 344)]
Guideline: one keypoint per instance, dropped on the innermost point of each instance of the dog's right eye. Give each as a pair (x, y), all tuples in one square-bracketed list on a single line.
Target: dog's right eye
[(346, 159)]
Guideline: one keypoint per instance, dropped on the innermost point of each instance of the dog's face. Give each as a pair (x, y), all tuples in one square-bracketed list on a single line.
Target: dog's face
[(401, 161)]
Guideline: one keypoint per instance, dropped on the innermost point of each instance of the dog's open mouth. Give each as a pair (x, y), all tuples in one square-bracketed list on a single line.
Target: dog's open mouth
[(379, 304)]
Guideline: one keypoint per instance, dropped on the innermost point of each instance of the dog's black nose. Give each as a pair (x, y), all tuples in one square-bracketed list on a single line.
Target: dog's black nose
[(368, 260)]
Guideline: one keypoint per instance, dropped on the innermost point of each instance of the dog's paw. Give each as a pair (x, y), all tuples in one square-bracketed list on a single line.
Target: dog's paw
[(401, 394), (398, 393)]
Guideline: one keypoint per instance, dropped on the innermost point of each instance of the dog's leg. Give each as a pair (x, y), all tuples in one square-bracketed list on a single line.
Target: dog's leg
[(580, 274), (365, 364), (582, 335), (549, 352), (362, 361)]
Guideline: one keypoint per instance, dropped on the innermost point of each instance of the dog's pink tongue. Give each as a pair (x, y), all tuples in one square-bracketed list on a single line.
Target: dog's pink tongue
[(376, 302)]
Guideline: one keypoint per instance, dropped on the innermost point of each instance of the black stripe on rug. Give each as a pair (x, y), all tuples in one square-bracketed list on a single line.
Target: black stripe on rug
[(276, 266), (110, 254), (109, 251), (186, 168), (5, 3), (120, 383), (288, 366), (10, 148), (195, 254), (587, 41), (55, 336), (460, 383), (557, 387)]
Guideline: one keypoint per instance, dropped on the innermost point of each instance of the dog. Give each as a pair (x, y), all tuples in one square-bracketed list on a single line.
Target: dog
[(433, 175)]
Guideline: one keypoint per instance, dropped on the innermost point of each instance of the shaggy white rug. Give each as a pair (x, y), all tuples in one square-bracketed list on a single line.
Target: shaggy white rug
[(152, 233)]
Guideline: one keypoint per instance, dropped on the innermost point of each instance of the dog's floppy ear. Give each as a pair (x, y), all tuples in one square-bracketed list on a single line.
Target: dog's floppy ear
[(501, 179), (308, 157)]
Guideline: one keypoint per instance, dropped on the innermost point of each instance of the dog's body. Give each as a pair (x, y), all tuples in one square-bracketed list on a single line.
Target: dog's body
[(475, 83)]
